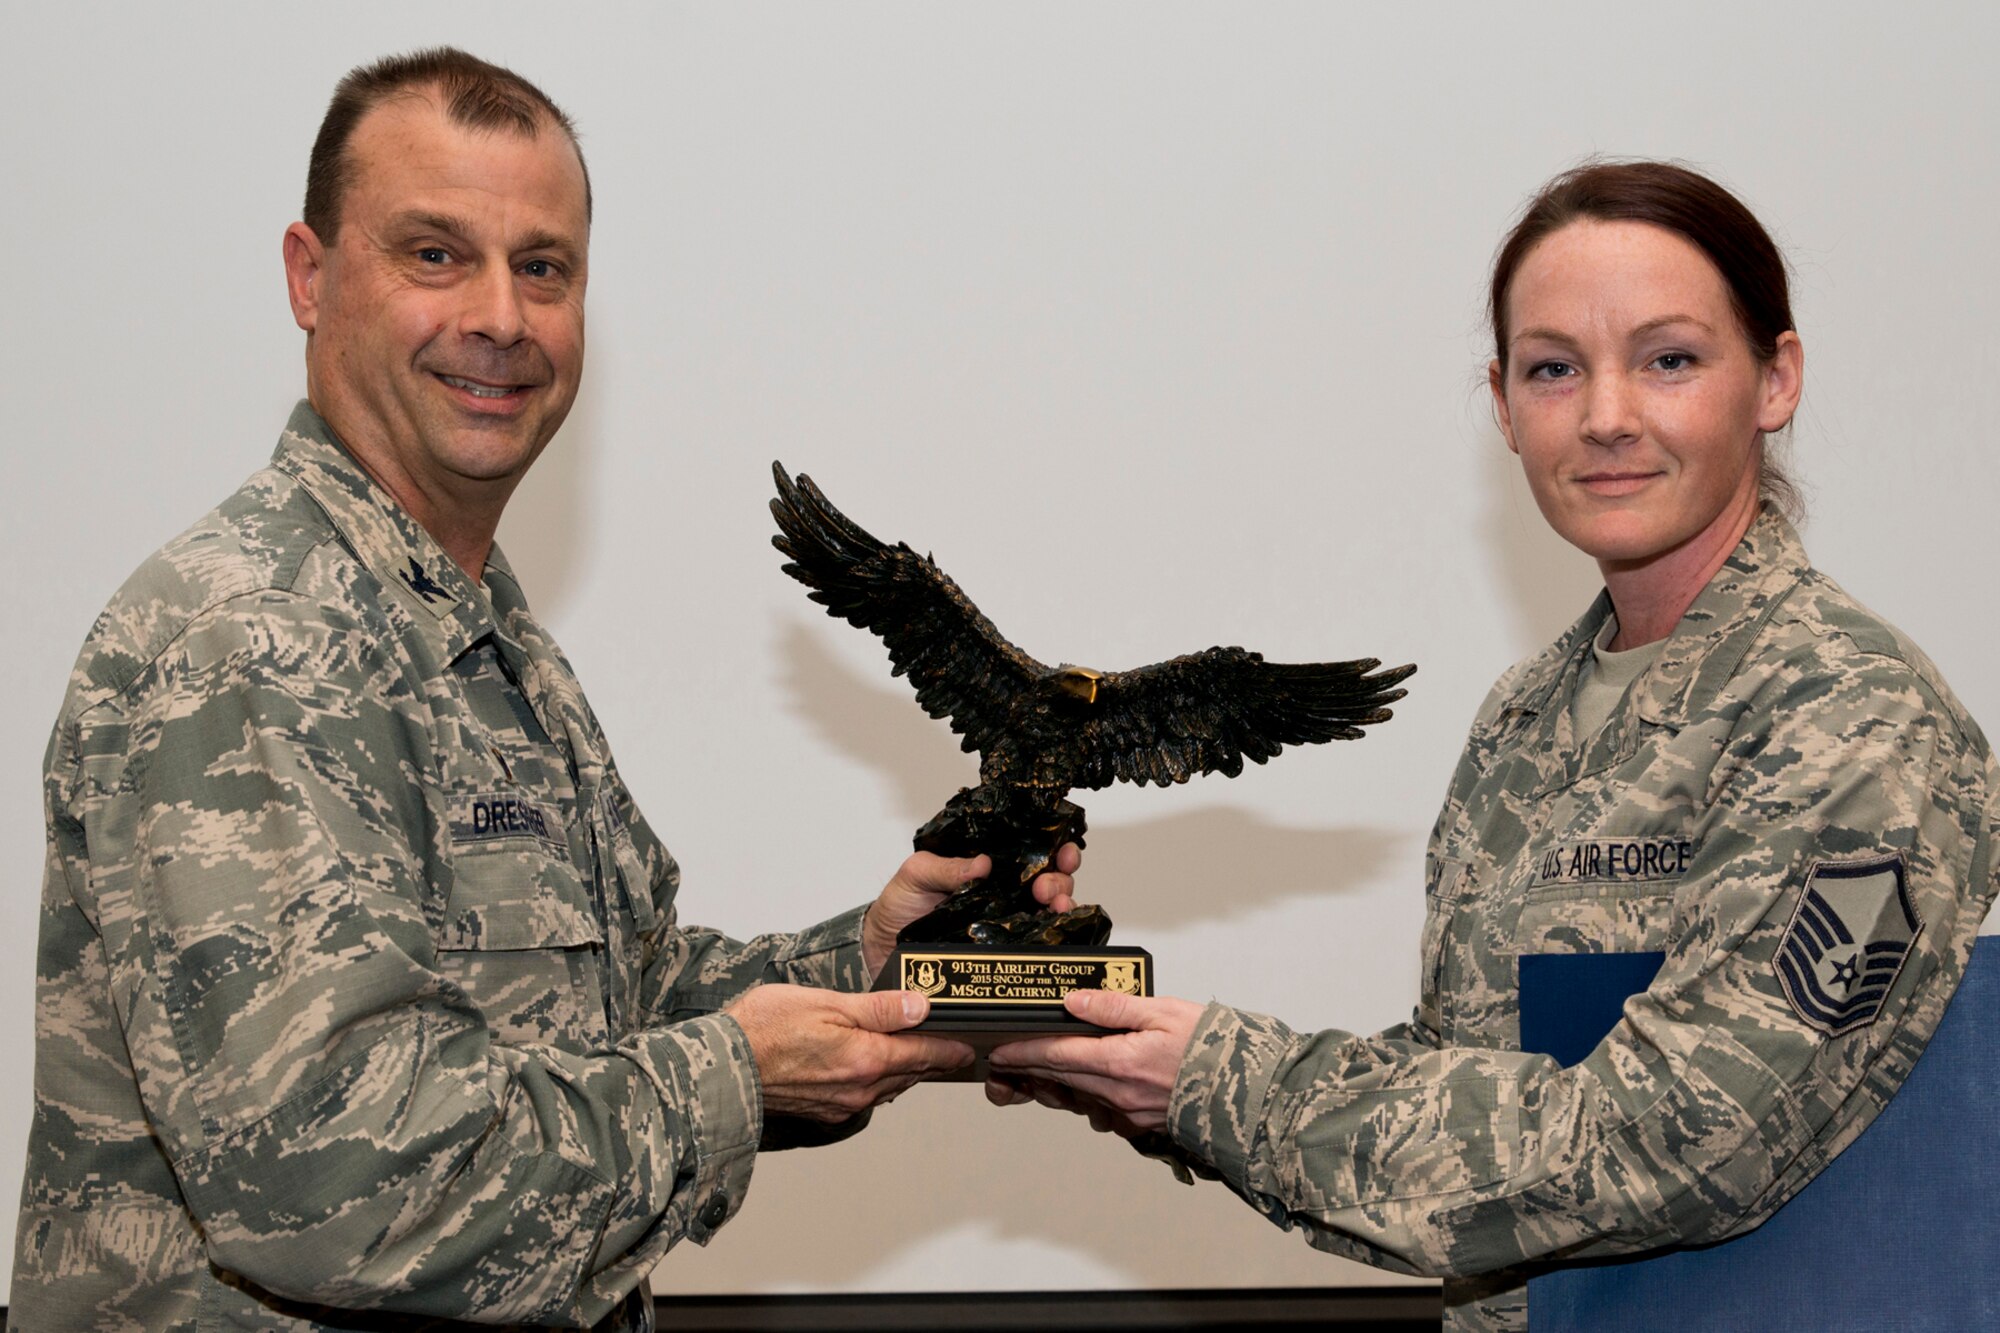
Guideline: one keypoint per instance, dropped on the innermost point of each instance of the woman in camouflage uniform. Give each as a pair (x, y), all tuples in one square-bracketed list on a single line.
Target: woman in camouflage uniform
[(1727, 770)]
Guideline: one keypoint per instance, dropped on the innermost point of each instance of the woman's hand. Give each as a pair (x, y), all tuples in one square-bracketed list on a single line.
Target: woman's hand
[(1122, 1082)]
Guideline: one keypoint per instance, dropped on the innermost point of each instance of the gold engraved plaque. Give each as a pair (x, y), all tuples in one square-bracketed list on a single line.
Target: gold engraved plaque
[(956, 977), (986, 996)]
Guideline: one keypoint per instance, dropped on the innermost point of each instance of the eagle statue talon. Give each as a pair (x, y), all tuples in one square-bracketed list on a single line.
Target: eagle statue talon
[(1041, 731), (1087, 925), (1022, 842)]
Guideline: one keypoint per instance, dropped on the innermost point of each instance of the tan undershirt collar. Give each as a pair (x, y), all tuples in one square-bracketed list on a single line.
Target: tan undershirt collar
[(1605, 677)]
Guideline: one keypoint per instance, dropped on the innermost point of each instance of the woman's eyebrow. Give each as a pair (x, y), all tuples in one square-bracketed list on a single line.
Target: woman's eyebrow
[(1545, 334), (1655, 325)]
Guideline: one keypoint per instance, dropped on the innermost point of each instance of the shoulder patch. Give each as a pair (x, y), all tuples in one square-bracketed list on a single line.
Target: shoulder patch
[(1847, 942)]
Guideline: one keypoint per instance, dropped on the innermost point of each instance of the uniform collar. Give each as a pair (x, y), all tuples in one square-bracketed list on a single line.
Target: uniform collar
[(1545, 671), (1716, 632), (416, 575), (503, 591), (1707, 645)]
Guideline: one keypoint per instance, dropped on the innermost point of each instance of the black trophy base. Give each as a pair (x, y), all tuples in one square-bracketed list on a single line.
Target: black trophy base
[(989, 995)]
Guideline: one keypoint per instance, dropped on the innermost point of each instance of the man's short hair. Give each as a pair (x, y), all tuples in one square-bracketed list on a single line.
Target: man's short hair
[(475, 94)]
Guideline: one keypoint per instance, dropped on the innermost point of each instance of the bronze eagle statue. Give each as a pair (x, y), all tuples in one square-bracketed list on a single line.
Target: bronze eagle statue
[(1041, 730)]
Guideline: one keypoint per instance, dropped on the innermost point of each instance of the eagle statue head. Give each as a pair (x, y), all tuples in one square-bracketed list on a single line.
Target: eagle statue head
[(1077, 682)]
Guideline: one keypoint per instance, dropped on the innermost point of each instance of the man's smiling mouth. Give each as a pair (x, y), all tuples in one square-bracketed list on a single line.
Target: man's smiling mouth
[(478, 390)]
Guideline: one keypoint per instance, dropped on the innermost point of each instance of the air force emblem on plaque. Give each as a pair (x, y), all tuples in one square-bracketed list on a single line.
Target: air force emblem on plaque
[(926, 978), (1848, 939)]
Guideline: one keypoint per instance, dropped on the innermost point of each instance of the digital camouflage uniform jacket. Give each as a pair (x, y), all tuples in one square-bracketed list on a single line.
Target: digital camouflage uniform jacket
[(359, 984), (1788, 773)]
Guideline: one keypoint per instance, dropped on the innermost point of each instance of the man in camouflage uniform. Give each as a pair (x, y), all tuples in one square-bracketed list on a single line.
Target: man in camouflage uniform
[(360, 981), (1789, 804)]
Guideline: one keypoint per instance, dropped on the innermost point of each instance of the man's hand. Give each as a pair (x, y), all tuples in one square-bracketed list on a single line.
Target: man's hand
[(926, 880), (1122, 1082), (826, 1055)]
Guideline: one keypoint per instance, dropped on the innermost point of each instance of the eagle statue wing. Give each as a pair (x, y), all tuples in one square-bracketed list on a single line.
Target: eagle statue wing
[(1208, 711), (963, 669)]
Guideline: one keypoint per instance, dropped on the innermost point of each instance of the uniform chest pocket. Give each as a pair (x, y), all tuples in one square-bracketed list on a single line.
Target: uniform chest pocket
[(1597, 918), (519, 936), (1584, 949), (1606, 893)]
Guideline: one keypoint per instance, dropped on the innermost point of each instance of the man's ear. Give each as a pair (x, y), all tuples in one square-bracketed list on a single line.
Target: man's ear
[(305, 257)]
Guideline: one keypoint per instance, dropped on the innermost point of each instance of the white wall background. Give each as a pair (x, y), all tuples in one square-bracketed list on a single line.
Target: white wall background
[(1158, 323)]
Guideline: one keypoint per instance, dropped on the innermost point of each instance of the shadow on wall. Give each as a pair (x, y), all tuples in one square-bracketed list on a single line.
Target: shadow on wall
[(941, 1168), (880, 726), (542, 531), (1164, 871), (1222, 861)]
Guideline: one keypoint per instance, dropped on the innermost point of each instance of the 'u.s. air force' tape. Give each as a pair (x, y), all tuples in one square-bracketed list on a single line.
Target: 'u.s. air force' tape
[(493, 816), (1614, 861)]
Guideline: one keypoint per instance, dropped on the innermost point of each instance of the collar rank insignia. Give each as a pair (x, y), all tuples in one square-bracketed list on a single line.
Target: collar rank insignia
[(1848, 939), (423, 585)]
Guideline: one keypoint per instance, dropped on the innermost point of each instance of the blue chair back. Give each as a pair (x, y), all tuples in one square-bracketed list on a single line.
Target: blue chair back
[(1901, 1232)]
